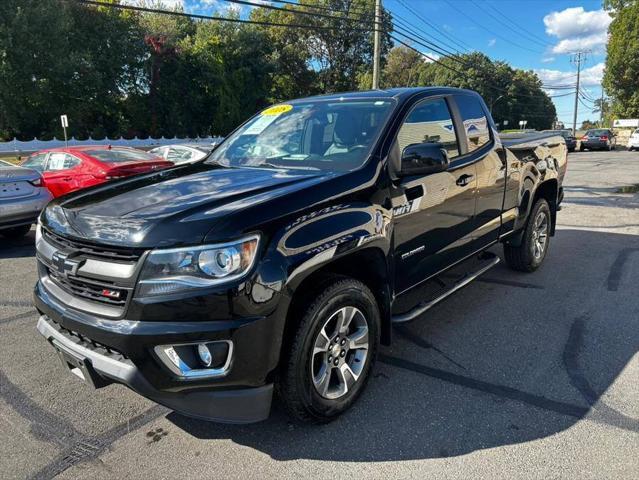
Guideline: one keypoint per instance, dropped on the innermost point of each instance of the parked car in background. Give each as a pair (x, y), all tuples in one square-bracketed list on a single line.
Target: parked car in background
[(571, 141), (598, 139), (22, 197), (633, 141), (184, 153), (69, 169)]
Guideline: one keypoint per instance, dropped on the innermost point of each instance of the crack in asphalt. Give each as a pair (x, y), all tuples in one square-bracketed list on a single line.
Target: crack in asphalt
[(18, 316), (91, 448), (76, 446)]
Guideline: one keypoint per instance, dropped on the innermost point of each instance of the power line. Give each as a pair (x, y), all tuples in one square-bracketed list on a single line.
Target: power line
[(294, 11), (508, 40), (208, 17), (520, 29), (429, 24)]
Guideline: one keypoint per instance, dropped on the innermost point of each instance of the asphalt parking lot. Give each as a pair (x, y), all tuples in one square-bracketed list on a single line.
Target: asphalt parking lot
[(517, 376)]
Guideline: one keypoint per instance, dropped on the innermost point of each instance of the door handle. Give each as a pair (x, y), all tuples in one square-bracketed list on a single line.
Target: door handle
[(464, 180), (67, 179)]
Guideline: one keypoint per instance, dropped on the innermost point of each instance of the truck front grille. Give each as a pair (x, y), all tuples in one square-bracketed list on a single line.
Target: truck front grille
[(90, 289), (87, 277)]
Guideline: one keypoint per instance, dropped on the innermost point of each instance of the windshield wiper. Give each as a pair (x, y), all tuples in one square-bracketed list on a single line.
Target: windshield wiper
[(293, 167)]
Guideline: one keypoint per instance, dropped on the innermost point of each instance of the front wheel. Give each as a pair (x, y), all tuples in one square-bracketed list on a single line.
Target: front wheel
[(329, 360), (529, 256)]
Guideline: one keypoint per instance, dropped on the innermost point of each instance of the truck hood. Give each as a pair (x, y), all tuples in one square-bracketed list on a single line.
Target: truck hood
[(168, 208)]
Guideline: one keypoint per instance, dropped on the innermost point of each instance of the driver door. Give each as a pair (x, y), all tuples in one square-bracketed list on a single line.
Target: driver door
[(432, 214)]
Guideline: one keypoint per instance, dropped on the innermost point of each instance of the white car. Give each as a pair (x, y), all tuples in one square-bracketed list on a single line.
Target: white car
[(185, 153), (633, 141)]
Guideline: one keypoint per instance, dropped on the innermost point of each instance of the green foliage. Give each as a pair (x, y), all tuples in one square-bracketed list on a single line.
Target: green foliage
[(511, 94), (621, 76), (117, 72), (588, 124)]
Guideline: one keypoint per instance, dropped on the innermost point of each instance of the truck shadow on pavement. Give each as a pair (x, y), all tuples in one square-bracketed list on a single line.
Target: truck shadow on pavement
[(510, 359)]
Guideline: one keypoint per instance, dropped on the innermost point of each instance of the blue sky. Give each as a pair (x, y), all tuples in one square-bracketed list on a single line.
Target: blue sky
[(553, 30)]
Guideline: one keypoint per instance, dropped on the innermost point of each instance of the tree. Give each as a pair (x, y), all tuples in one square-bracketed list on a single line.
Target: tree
[(621, 76), (588, 124), (333, 56), (54, 62), (404, 68), (511, 94)]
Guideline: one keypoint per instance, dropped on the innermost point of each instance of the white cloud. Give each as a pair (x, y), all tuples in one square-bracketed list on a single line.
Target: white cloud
[(589, 76), (432, 55), (165, 4), (548, 59), (595, 42), (578, 29), (492, 42)]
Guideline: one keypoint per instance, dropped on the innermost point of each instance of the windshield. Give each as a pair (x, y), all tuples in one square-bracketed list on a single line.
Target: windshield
[(120, 155), (314, 135)]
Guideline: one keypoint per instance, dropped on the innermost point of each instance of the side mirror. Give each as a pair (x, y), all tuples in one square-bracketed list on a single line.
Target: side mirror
[(423, 159)]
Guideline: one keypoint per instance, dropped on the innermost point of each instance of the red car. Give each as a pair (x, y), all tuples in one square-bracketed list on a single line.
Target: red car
[(65, 170)]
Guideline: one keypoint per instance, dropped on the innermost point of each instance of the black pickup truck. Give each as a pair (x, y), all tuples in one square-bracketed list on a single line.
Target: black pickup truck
[(282, 260)]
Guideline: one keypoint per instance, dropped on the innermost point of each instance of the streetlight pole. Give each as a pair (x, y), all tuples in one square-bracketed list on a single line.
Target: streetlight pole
[(493, 102), (376, 44)]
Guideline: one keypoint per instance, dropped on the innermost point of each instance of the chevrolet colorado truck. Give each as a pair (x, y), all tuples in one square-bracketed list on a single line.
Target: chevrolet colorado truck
[(281, 261)]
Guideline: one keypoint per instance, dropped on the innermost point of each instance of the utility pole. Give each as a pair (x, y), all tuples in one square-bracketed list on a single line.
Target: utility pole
[(601, 109), (578, 58), (377, 45)]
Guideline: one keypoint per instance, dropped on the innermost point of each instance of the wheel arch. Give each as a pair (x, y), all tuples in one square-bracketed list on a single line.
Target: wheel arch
[(368, 265)]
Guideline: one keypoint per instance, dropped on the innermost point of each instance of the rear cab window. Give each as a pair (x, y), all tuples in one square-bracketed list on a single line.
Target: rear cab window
[(475, 121), (121, 155)]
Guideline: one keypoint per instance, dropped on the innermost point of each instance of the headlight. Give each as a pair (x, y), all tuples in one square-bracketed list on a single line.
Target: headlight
[(179, 269)]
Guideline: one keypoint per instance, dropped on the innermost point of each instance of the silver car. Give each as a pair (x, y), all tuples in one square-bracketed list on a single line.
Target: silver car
[(183, 153), (22, 197)]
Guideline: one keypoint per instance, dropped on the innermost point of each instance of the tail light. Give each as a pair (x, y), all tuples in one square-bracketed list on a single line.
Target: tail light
[(603, 138), (585, 137)]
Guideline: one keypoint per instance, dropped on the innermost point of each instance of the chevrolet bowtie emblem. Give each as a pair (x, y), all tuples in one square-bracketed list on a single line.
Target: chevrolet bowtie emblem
[(64, 265)]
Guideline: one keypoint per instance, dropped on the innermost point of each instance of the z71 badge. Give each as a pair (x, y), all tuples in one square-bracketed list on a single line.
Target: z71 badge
[(411, 206)]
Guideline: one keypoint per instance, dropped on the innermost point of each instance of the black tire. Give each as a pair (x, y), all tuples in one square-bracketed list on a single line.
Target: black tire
[(523, 258), (295, 386), (16, 232)]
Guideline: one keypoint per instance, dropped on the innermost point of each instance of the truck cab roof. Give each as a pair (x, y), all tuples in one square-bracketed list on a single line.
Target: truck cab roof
[(397, 93)]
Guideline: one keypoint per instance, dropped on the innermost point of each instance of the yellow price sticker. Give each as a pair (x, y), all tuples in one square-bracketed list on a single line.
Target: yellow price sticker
[(278, 109)]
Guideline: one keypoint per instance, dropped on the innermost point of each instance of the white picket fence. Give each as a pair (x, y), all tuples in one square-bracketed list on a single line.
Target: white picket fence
[(18, 146)]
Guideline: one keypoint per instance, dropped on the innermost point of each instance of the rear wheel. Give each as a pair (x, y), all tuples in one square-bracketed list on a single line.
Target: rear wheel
[(16, 232), (529, 256), (331, 355)]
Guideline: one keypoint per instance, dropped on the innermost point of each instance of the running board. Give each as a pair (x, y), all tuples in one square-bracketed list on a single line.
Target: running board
[(489, 263)]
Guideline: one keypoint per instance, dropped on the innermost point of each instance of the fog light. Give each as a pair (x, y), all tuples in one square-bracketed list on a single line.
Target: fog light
[(197, 360), (205, 354)]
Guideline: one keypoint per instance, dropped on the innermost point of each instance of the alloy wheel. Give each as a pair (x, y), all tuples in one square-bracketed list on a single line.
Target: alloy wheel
[(339, 353), (539, 235)]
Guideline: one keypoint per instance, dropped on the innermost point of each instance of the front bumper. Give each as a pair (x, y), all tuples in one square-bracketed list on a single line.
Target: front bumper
[(245, 405)]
